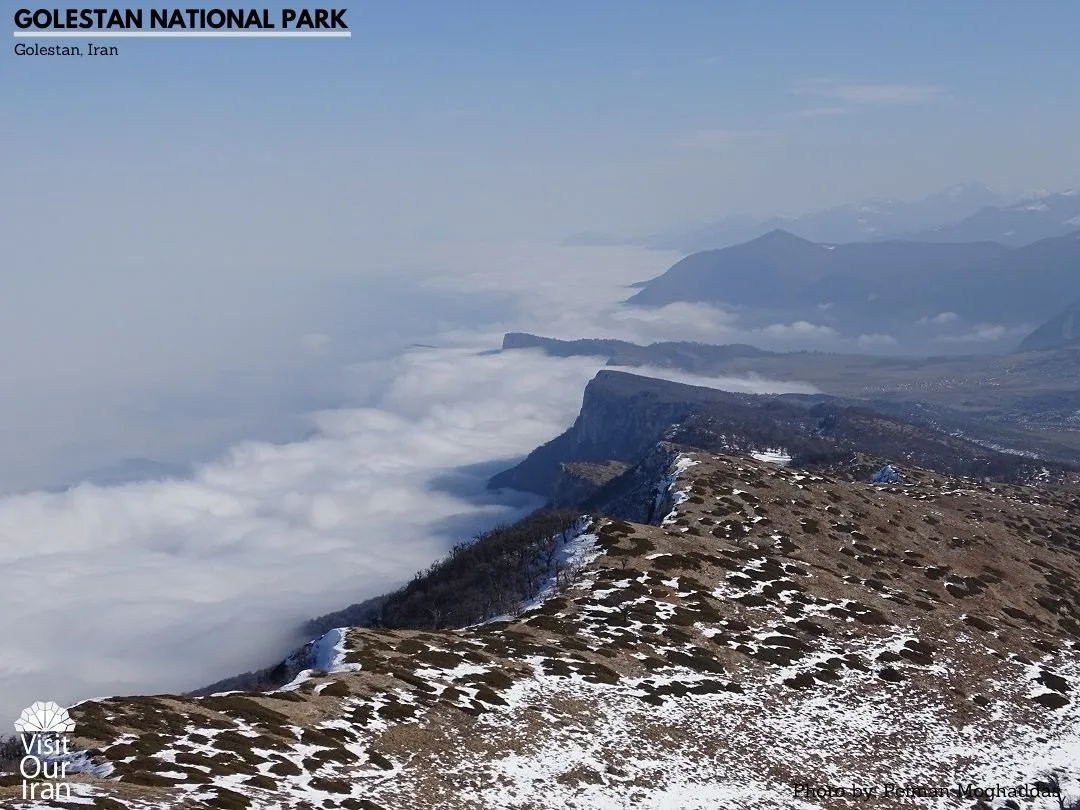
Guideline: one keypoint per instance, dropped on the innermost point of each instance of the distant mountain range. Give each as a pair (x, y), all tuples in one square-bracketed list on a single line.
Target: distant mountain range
[(872, 219), (969, 212), (878, 286), (1025, 284), (1020, 224), (780, 269)]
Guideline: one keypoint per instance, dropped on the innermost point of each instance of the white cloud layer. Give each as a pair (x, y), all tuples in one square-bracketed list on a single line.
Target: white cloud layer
[(577, 293), (799, 330), (168, 585)]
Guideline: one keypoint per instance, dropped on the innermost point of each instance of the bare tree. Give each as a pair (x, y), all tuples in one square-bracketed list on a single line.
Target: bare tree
[(11, 752), (1054, 781)]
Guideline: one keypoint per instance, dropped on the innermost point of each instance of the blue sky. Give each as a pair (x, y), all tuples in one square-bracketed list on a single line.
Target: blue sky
[(538, 118)]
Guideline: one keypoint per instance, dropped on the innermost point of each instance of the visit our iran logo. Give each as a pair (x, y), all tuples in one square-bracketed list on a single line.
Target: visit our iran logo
[(44, 717), (44, 728)]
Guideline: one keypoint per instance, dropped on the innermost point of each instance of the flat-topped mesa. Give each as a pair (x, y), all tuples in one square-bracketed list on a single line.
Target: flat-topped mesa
[(563, 348), (687, 355), (622, 415)]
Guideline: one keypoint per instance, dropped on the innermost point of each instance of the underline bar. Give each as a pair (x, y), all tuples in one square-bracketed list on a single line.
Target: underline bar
[(180, 34)]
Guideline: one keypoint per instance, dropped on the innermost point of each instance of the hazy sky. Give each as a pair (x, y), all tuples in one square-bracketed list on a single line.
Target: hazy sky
[(534, 119)]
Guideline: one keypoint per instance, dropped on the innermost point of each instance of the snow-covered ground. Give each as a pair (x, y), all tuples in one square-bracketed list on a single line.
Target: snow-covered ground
[(774, 456)]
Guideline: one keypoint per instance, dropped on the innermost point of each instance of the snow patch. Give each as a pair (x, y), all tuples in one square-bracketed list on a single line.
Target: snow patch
[(777, 456), (579, 550)]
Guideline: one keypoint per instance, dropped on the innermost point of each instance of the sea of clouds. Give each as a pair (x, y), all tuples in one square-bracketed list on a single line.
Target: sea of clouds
[(301, 462)]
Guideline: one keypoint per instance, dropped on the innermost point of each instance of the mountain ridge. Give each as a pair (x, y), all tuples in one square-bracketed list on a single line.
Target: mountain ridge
[(773, 269), (962, 293), (1024, 222), (705, 628), (853, 222), (622, 414), (963, 213), (815, 610)]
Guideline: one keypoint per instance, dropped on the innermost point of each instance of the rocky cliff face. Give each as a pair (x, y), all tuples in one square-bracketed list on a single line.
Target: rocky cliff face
[(624, 415), (642, 494), (578, 481), (621, 417)]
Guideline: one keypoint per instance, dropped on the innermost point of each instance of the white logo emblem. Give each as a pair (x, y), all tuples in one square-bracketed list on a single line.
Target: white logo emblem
[(44, 717), (44, 728)]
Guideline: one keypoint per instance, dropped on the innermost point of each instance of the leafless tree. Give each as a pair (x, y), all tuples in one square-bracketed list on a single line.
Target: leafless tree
[(1054, 781), (11, 752)]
